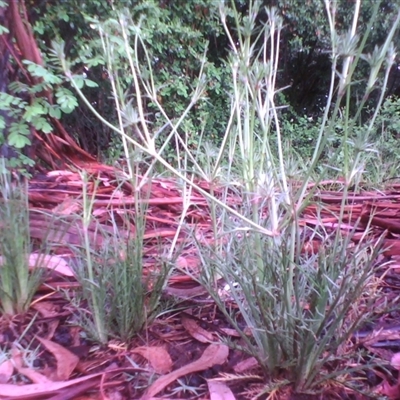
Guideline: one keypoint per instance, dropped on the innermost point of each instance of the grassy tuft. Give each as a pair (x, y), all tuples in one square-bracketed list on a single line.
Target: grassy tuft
[(119, 298), (301, 311), (18, 284)]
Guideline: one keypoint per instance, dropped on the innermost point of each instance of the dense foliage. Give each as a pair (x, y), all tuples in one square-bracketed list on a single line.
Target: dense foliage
[(181, 38)]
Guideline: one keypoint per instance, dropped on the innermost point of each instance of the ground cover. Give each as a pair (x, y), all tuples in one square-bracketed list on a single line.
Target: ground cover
[(183, 352)]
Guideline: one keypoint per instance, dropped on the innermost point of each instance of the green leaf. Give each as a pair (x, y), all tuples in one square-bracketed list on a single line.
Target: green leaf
[(20, 128), (18, 87), (38, 88), (94, 61), (39, 27), (79, 81), (67, 108), (17, 140), (46, 127), (6, 100), (32, 111), (66, 100), (90, 83), (41, 124), (55, 112), (40, 72), (65, 17)]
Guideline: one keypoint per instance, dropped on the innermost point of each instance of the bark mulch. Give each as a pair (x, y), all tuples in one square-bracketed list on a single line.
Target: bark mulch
[(181, 354)]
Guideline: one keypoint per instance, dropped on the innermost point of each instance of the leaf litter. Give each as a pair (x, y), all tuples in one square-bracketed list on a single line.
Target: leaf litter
[(55, 201)]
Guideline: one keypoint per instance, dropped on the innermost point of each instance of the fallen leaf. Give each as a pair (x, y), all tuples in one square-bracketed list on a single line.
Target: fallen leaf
[(67, 207), (34, 376), (395, 361), (6, 371), (246, 365), (63, 173), (392, 392), (214, 354), (39, 389), (158, 357), (47, 309), (52, 262), (219, 391), (196, 331), (16, 357), (230, 332), (52, 327), (185, 293), (86, 366), (188, 262), (75, 335), (18, 362), (66, 361)]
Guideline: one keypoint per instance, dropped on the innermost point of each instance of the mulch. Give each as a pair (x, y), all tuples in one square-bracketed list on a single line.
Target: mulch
[(172, 212)]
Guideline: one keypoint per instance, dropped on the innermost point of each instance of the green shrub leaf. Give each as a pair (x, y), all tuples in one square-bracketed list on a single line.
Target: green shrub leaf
[(90, 83), (18, 140), (32, 111)]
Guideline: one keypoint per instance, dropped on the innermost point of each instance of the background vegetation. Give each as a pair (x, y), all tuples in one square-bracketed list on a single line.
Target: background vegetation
[(177, 35)]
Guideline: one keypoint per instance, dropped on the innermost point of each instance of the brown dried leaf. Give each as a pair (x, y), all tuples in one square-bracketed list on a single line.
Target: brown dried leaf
[(16, 357), (219, 391), (395, 361), (51, 328), (67, 207), (158, 357), (6, 371), (66, 361), (188, 262), (52, 262), (392, 392), (47, 309), (214, 354), (34, 376), (39, 389), (230, 332), (196, 331), (245, 365)]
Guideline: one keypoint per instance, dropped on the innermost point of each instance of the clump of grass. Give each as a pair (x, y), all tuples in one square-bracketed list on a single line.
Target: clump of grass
[(18, 284), (120, 299), (299, 323)]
